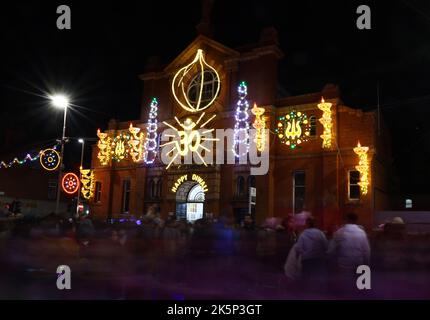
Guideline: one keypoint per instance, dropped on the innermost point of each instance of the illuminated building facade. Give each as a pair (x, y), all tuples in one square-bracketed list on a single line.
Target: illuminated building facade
[(312, 167)]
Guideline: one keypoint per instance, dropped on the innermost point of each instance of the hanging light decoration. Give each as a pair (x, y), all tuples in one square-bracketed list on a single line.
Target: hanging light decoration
[(260, 126), (136, 143), (293, 129), (26, 159), (363, 167), (104, 145), (327, 123), (151, 143), (49, 159), (88, 183), (241, 126), (70, 183)]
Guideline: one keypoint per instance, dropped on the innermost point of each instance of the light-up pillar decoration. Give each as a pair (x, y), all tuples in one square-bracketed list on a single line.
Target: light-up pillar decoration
[(363, 167), (259, 125), (136, 143), (327, 123), (87, 183), (104, 145), (241, 126), (151, 134)]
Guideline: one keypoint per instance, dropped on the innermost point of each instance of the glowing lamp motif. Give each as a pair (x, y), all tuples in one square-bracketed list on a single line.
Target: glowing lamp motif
[(327, 123), (181, 81), (188, 139), (136, 143), (49, 159), (293, 129), (363, 167), (70, 183), (259, 125), (88, 183), (104, 145)]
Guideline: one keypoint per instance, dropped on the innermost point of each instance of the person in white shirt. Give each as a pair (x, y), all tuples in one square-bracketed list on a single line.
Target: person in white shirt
[(350, 246), (311, 247)]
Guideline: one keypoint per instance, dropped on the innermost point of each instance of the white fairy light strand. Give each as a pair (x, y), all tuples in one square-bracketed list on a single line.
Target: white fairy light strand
[(151, 134), (241, 126)]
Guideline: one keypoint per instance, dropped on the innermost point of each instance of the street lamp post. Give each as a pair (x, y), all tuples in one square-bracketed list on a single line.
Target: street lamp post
[(81, 141), (61, 102)]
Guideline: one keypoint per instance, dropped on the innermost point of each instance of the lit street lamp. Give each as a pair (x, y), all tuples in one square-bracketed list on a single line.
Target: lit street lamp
[(81, 141), (60, 102)]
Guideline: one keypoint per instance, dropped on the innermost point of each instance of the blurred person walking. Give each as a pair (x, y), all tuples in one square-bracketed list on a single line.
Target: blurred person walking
[(349, 249), (312, 247)]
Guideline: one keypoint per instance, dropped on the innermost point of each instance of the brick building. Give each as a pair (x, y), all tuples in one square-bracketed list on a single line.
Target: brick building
[(310, 177)]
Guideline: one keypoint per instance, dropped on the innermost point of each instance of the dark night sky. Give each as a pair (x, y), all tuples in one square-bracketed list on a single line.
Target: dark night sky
[(98, 61)]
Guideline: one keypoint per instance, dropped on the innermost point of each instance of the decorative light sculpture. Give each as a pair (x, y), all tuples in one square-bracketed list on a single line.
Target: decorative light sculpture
[(151, 134), (189, 138), (104, 145), (181, 80), (120, 146), (49, 159), (260, 126), (363, 167), (241, 126), (293, 129), (327, 123), (88, 183), (136, 143), (70, 183)]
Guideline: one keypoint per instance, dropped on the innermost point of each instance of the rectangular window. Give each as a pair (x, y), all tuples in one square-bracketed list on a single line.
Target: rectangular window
[(299, 190), (353, 187), (98, 192), (52, 189), (126, 196)]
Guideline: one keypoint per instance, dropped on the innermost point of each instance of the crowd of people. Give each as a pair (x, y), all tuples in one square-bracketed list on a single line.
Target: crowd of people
[(210, 249)]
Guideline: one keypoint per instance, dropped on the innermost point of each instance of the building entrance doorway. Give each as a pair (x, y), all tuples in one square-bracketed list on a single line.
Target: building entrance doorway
[(190, 198)]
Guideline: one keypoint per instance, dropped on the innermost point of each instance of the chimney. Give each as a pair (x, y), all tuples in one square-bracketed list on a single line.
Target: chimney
[(204, 27)]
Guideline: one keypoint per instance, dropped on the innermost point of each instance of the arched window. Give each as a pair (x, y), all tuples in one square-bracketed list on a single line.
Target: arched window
[(313, 126), (240, 186), (209, 83), (159, 188)]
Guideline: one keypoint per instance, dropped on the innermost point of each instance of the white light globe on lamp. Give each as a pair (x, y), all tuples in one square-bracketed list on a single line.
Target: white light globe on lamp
[(81, 140), (60, 101)]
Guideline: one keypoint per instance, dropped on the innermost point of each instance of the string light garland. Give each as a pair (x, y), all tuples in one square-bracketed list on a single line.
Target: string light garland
[(260, 126), (26, 159), (70, 183), (49, 159), (188, 139), (293, 129), (104, 145), (88, 183), (151, 133), (181, 79), (136, 143), (241, 126), (363, 167), (327, 123)]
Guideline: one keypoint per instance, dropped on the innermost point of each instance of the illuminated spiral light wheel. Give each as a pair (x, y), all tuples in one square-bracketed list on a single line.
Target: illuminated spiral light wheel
[(70, 183), (49, 159)]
